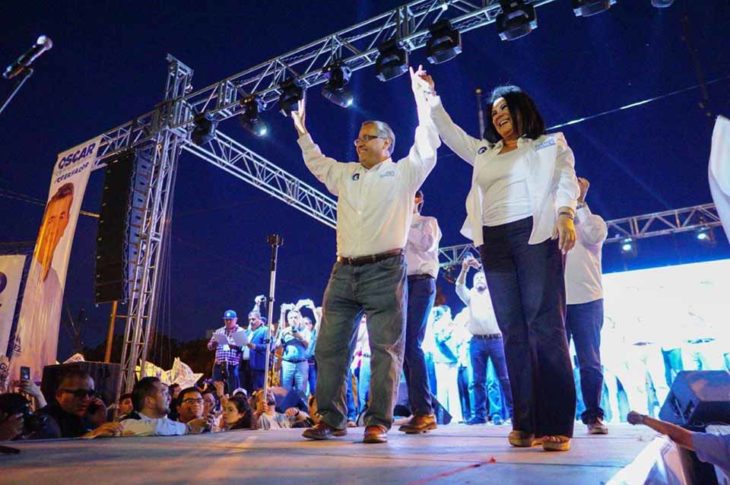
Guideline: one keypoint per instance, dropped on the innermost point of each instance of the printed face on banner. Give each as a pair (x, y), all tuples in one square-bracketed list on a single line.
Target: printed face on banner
[(54, 224)]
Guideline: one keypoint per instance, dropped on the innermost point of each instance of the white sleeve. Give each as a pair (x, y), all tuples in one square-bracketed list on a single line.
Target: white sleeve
[(327, 170), (421, 158), (463, 145), (463, 293), (568, 189), (593, 229)]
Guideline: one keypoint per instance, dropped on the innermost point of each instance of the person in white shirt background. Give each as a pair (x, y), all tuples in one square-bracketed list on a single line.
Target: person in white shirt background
[(422, 260), (374, 212), (485, 346), (584, 317), (520, 214)]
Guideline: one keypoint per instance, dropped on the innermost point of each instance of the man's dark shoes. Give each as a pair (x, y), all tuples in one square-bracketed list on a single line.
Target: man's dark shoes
[(419, 424), (475, 420), (375, 433), (323, 431)]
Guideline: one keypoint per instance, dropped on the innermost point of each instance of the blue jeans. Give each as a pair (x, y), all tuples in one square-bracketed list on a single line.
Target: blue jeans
[(466, 391), (583, 324), (352, 410), (378, 290), (481, 351), (294, 375), (421, 295), (527, 287), (257, 380), (232, 380), (363, 383), (312, 376)]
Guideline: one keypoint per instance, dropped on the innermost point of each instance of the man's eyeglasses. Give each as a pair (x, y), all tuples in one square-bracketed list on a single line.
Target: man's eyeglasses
[(365, 139), (193, 401), (80, 393)]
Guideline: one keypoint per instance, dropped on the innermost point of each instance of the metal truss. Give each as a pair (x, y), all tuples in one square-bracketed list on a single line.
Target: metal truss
[(636, 227), (163, 149), (244, 164)]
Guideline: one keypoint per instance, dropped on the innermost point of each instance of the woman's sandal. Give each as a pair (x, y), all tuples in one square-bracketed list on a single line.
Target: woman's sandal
[(556, 443), (520, 439)]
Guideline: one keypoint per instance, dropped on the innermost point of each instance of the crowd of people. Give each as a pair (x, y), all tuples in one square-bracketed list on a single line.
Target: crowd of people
[(505, 358)]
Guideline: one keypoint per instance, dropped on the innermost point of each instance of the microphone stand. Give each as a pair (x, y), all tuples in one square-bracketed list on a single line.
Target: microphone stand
[(274, 241), (25, 74)]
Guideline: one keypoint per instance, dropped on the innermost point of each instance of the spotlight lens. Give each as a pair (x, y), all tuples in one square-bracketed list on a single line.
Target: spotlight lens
[(626, 247), (702, 236)]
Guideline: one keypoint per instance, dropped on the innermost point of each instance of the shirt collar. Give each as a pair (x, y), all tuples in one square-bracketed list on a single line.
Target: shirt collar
[(378, 166)]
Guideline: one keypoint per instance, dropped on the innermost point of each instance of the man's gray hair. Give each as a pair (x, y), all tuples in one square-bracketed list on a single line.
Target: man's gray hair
[(384, 131)]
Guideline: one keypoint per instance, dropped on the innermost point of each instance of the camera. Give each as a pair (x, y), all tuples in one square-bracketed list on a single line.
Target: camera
[(15, 403)]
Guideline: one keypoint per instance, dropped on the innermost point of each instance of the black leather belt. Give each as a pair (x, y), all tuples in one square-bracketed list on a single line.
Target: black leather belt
[(417, 277), (370, 259), (299, 361), (489, 336)]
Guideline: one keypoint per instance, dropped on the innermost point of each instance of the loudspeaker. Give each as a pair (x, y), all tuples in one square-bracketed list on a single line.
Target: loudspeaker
[(106, 378), (698, 398), (126, 181)]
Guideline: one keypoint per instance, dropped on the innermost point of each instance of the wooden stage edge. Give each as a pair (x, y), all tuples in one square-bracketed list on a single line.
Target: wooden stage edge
[(451, 454)]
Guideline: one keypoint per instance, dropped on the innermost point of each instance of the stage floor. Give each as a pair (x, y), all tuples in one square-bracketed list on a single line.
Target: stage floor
[(452, 454)]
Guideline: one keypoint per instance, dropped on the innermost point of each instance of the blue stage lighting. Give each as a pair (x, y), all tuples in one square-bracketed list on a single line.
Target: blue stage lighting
[(586, 8), (291, 94), (516, 20), (662, 3), (251, 116), (392, 61), (444, 43), (628, 247), (335, 89)]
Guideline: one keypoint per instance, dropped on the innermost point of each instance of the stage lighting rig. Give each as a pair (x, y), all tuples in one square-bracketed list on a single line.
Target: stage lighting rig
[(444, 43), (251, 116), (335, 89), (628, 247), (705, 235), (662, 3), (586, 8), (392, 61), (516, 20), (203, 129), (291, 94)]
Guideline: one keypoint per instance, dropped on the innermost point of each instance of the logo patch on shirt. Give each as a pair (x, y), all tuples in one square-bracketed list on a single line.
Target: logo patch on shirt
[(547, 143), (482, 150), (355, 177), (390, 173)]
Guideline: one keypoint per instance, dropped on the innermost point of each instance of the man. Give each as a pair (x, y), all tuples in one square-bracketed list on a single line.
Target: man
[(293, 337), (584, 318), (227, 356), (422, 260), (76, 411), (446, 359), (125, 406), (486, 345), (189, 405), (151, 399), (36, 339), (374, 212), (257, 344)]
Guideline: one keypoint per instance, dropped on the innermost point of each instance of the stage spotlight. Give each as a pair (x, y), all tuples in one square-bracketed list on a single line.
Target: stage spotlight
[(516, 20), (444, 43), (204, 129), (291, 94), (586, 8), (251, 116), (705, 235), (628, 247), (392, 61), (335, 89), (662, 3)]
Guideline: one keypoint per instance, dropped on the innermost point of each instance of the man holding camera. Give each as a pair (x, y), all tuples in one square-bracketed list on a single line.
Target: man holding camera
[(294, 338)]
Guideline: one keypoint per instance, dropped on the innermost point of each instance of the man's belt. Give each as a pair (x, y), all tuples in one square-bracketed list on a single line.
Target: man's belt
[(226, 363), (370, 259), (295, 361), (489, 336), (417, 277)]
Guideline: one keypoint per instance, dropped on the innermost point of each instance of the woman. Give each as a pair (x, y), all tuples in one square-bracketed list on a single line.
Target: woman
[(236, 413), (520, 214)]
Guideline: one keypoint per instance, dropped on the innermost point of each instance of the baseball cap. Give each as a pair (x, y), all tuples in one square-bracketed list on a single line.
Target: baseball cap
[(230, 314)]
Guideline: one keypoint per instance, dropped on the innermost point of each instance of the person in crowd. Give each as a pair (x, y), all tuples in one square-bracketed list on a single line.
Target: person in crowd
[(584, 317), (17, 421), (124, 406), (151, 400), (257, 344), (293, 337), (212, 406), (520, 213), (374, 212), (710, 448), (266, 416), (361, 366), (446, 359), (76, 411), (190, 405), (227, 356), (422, 261), (313, 328), (486, 345), (237, 413)]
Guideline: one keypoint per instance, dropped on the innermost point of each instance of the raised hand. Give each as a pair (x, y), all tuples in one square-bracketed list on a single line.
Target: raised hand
[(299, 117), (421, 80)]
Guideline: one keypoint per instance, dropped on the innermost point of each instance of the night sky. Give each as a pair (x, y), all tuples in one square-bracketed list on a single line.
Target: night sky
[(108, 65)]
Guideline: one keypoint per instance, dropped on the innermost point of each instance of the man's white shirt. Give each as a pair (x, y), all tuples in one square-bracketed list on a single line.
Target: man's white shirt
[(146, 426), (583, 282), (422, 249)]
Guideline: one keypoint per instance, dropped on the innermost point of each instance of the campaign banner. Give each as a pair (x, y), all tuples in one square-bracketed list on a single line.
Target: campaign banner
[(36, 338), (11, 274)]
